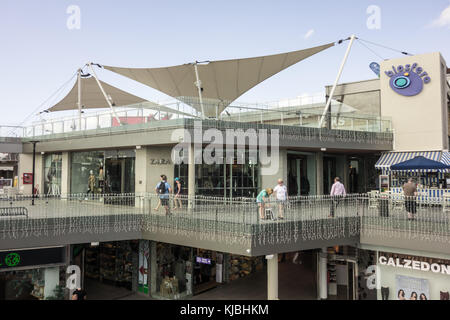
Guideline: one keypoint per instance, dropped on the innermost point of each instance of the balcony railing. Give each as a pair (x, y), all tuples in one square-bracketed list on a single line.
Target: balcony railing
[(227, 220), (304, 112)]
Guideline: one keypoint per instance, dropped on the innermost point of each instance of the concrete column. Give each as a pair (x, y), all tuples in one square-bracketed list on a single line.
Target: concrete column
[(141, 179), (39, 171), (191, 175), (153, 269), (272, 277), (51, 280), (323, 288), (319, 173), (65, 174)]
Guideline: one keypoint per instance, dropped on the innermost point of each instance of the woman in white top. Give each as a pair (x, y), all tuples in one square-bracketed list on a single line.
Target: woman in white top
[(281, 195)]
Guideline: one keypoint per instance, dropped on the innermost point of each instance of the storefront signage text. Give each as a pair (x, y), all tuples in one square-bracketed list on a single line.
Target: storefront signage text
[(408, 80), (159, 161), (26, 258), (203, 260), (415, 265)]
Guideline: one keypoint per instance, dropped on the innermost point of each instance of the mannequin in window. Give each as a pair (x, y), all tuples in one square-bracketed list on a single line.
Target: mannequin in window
[(53, 187), (91, 182), (101, 179)]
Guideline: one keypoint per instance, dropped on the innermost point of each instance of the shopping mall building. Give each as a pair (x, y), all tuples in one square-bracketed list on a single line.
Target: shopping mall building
[(96, 176)]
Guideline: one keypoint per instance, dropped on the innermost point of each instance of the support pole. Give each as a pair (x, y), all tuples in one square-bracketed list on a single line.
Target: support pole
[(104, 94), (33, 172), (352, 39), (79, 99), (191, 176), (198, 83)]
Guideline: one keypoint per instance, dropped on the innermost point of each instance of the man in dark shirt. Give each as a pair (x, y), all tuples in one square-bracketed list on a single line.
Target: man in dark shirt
[(410, 192)]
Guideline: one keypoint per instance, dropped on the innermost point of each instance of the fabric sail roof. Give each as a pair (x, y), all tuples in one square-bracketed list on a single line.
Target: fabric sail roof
[(222, 81), (92, 97)]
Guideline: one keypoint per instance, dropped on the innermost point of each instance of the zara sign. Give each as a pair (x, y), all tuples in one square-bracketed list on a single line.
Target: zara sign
[(408, 80)]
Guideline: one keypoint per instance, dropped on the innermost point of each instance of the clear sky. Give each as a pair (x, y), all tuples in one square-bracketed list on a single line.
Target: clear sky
[(39, 52)]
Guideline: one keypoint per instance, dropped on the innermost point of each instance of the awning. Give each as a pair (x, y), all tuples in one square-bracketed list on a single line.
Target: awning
[(222, 82), (392, 158), (93, 98), (419, 164)]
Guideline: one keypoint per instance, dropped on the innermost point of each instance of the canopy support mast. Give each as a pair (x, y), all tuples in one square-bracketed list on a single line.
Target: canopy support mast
[(352, 39), (79, 99), (104, 94), (198, 83)]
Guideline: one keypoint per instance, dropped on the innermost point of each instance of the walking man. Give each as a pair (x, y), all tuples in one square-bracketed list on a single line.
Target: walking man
[(163, 189), (337, 193)]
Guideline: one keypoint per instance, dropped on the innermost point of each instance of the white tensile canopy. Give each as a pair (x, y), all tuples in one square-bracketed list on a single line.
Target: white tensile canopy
[(221, 82), (92, 96)]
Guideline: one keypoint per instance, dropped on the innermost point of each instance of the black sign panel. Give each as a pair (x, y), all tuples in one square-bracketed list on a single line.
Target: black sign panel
[(25, 258)]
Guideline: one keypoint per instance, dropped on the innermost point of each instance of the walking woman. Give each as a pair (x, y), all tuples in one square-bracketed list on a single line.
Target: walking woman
[(262, 199)]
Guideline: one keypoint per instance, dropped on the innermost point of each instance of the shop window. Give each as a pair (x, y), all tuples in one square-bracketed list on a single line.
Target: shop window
[(174, 271), (241, 266), (52, 174), (223, 180), (84, 165)]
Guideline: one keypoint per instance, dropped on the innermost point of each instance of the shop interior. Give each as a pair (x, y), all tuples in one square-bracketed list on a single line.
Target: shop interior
[(108, 263), (174, 272), (342, 270), (26, 285)]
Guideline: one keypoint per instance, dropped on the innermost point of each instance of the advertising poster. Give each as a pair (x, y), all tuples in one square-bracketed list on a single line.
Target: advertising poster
[(143, 266), (409, 288)]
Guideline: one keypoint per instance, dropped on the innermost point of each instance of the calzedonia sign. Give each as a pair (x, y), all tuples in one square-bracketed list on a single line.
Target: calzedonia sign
[(415, 265), (27, 258), (408, 80)]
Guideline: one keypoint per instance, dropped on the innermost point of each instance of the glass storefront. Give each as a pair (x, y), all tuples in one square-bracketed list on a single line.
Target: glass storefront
[(223, 180), (112, 263), (108, 172), (52, 174), (301, 174), (205, 271), (86, 171), (173, 272)]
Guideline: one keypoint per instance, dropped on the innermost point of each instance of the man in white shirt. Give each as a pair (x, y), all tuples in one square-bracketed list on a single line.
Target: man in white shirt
[(337, 192), (281, 195)]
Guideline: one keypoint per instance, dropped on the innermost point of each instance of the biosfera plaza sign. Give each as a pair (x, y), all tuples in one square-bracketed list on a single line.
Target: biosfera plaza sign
[(415, 265), (408, 80)]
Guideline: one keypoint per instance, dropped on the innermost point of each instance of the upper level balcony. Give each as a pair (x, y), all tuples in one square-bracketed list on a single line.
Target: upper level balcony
[(297, 121), (227, 225)]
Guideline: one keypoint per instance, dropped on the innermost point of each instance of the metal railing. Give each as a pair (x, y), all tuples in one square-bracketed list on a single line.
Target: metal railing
[(237, 220), (228, 220), (302, 111), (387, 217)]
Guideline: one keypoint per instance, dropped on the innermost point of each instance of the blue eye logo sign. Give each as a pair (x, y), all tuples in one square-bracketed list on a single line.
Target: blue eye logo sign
[(408, 80)]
